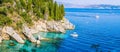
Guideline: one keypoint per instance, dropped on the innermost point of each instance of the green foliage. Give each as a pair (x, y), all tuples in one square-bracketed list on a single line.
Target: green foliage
[(26, 18), (40, 9), (62, 9), (11, 9), (19, 24), (29, 5), (4, 20), (18, 5), (6, 1), (3, 10), (23, 3)]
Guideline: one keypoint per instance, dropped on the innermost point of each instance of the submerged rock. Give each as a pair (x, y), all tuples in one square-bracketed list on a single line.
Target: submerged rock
[(12, 44)]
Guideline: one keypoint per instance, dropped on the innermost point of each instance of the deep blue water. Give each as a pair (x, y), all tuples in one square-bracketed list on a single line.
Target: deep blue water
[(101, 34), (92, 10), (104, 31)]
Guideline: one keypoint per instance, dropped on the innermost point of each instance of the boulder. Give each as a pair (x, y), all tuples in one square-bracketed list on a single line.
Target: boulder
[(38, 42), (0, 30), (54, 26), (27, 31), (5, 36), (10, 31), (66, 24), (40, 26), (1, 39)]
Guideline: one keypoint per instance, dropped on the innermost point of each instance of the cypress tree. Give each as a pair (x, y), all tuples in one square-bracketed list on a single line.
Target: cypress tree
[(46, 15), (44, 9), (62, 10), (23, 3), (29, 5)]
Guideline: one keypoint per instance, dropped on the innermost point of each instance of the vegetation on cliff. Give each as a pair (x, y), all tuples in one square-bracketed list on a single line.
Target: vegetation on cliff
[(16, 12)]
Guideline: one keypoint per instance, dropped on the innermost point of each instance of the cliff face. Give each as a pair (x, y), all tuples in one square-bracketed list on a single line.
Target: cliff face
[(50, 26)]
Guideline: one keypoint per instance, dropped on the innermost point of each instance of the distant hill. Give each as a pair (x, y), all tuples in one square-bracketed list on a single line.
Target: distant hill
[(103, 6), (100, 6)]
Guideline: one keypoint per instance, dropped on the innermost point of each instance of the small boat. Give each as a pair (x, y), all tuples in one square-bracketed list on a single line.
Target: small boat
[(74, 34), (97, 17)]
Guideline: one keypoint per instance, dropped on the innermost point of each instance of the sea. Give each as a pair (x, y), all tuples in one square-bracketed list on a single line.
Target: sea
[(98, 31)]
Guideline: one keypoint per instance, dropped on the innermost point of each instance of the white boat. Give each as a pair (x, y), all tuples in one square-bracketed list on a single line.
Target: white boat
[(97, 17), (74, 34)]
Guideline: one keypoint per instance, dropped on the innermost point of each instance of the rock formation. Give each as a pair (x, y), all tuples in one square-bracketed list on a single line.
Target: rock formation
[(28, 33), (44, 26), (13, 34), (1, 39)]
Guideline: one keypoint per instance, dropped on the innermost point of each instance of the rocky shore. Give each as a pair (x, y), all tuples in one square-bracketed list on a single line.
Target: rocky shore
[(40, 26)]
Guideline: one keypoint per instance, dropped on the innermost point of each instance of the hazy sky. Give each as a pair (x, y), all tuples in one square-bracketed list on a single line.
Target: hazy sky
[(88, 2)]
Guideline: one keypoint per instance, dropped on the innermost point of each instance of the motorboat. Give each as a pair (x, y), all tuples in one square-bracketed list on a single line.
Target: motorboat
[(74, 34), (97, 17)]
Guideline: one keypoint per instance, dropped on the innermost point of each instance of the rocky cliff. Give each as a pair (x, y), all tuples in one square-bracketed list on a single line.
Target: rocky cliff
[(39, 26)]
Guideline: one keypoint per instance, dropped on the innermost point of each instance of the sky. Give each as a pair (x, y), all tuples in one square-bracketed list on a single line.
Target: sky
[(89, 2)]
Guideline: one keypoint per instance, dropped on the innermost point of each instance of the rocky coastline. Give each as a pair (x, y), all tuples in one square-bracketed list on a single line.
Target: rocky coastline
[(8, 32)]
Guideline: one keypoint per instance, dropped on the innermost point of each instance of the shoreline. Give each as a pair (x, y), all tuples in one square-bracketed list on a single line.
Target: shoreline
[(40, 26)]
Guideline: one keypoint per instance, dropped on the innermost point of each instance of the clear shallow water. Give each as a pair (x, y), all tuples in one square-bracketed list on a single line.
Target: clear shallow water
[(101, 34), (50, 45)]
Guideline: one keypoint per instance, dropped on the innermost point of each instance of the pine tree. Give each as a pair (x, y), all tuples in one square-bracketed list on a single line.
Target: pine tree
[(62, 10)]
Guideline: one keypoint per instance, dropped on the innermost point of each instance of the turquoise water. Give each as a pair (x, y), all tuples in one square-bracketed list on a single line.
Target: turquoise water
[(50, 45), (95, 35)]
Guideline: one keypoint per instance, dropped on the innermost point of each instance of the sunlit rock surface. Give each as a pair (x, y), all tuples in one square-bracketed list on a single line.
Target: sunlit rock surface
[(10, 31), (28, 33), (39, 26)]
